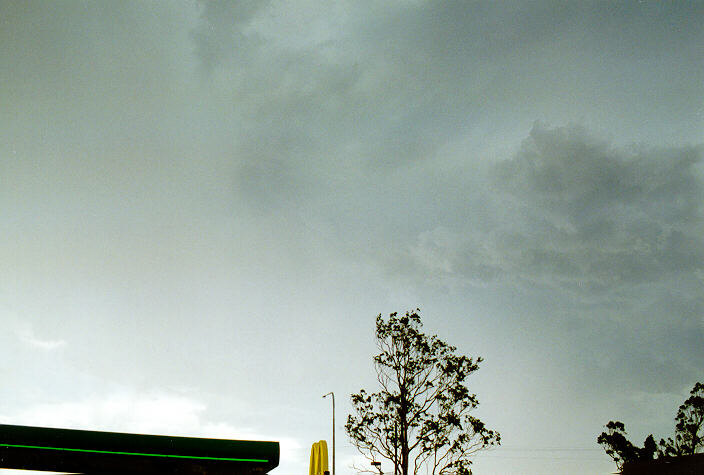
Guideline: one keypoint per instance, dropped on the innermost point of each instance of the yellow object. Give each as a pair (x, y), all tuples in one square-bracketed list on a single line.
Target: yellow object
[(319, 458)]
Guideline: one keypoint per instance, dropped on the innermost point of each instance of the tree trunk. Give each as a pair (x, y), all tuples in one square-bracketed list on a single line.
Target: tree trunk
[(403, 416), (396, 448)]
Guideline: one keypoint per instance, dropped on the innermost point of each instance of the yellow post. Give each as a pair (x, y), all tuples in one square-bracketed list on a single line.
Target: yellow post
[(318, 458)]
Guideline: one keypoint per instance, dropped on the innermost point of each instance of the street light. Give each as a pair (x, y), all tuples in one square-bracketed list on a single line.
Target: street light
[(333, 429)]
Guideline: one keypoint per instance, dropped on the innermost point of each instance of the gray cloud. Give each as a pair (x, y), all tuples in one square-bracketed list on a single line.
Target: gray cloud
[(599, 217), (571, 211), (607, 243), (395, 83), (351, 130)]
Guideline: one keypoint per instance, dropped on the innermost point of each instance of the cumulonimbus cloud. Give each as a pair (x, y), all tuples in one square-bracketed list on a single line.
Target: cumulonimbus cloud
[(574, 212)]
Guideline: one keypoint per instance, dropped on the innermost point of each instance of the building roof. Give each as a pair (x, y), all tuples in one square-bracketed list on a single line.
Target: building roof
[(682, 465), (81, 451)]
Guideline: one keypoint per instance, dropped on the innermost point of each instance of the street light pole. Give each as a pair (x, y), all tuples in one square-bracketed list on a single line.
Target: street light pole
[(333, 429)]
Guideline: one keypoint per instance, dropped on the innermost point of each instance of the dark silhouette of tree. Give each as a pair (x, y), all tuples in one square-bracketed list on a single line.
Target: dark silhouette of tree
[(620, 449), (688, 438), (689, 426), (420, 417)]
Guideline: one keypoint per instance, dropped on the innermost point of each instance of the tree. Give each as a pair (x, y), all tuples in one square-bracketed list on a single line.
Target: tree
[(420, 417), (689, 427), (620, 449), (688, 438)]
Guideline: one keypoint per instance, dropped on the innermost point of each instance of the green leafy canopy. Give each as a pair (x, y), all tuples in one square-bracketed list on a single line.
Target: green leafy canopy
[(420, 416)]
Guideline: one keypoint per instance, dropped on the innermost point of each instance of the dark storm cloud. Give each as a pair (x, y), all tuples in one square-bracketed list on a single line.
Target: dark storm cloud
[(522, 61), (572, 211), (352, 129), (393, 83), (608, 242), (358, 128), (590, 215)]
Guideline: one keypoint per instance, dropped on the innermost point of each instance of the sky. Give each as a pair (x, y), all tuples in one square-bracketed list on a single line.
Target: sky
[(204, 206)]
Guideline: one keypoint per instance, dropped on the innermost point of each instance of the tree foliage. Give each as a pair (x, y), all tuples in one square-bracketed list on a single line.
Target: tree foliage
[(620, 449), (420, 417), (689, 426), (688, 438)]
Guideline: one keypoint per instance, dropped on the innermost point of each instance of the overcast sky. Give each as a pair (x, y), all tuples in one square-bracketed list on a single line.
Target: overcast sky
[(204, 205)]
